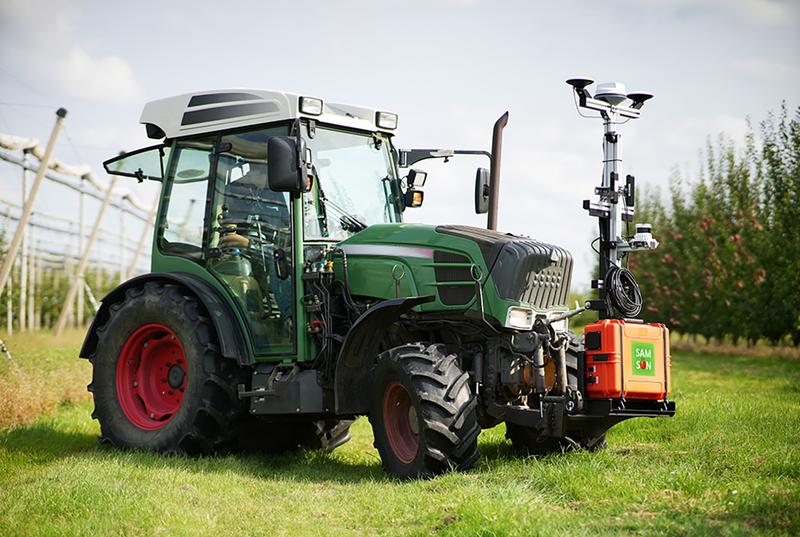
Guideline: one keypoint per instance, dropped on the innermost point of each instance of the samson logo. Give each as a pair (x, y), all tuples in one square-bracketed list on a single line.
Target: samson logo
[(643, 359)]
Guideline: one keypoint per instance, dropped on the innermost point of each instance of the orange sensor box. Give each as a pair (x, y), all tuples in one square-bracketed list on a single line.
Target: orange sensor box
[(627, 360)]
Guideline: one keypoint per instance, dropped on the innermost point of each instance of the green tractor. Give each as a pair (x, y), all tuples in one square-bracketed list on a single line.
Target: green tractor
[(287, 298)]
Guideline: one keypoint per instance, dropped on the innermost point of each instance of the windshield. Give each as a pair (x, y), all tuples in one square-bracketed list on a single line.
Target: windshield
[(354, 184)]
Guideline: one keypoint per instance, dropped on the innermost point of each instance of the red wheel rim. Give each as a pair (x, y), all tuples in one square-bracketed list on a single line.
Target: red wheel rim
[(402, 427), (151, 376)]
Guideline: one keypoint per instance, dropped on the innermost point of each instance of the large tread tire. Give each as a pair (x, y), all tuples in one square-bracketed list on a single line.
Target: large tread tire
[(206, 420), (530, 441), (442, 411)]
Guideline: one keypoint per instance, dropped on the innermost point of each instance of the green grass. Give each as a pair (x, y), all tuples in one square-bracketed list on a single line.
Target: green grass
[(727, 464)]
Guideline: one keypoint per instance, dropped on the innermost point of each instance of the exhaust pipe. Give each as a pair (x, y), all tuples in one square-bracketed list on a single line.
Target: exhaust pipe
[(494, 170)]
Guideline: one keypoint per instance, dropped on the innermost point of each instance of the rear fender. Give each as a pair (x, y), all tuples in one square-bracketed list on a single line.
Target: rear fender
[(231, 339)]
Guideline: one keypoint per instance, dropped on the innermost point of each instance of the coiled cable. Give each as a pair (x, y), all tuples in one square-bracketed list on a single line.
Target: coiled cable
[(623, 291)]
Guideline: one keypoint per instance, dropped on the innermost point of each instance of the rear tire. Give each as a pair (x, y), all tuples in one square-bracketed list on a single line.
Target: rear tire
[(158, 380), (423, 412)]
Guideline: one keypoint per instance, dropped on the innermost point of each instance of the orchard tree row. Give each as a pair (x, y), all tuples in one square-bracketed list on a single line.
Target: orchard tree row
[(729, 261)]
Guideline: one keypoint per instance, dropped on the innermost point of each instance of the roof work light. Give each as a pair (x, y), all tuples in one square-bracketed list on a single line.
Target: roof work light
[(386, 120), (311, 106)]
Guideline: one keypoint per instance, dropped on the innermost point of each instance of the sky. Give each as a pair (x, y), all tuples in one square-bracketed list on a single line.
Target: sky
[(449, 68)]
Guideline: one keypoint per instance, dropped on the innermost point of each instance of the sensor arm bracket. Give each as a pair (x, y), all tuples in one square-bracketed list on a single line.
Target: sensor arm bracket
[(591, 103)]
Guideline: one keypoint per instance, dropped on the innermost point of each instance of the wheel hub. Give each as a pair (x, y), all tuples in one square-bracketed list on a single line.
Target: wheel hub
[(401, 422), (175, 376), (151, 376)]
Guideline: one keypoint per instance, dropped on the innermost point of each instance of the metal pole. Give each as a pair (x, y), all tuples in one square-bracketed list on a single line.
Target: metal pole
[(122, 238), (494, 172), (39, 285), (10, 308), (32, 281), (8, 262), (73, 287), (609, 227)]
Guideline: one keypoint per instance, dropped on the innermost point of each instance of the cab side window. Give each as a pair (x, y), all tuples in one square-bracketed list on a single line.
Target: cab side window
[(183, 225)]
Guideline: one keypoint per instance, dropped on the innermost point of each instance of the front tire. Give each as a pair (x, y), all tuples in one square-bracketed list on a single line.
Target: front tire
[(423, 412), (158, 380)]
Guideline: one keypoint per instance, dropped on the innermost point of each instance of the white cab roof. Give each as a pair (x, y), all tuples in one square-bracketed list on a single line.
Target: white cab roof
[(209, 111)]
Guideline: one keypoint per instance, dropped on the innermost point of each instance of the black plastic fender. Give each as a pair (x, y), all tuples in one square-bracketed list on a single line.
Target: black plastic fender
[(360, 351), (231, 339)]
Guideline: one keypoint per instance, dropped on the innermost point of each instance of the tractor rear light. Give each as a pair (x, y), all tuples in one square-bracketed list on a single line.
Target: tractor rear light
[(311, 106), (519, 318), (386, 120)]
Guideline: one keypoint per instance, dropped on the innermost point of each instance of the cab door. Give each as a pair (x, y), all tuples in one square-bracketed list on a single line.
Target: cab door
[(249, 243), (219, 220)]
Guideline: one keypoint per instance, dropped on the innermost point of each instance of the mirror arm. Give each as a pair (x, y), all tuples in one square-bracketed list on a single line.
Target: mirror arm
[(409, 157), (161, 162)]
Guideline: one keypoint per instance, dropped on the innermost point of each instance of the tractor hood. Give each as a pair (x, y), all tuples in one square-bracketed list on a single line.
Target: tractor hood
[(522, 269), (438, 260)]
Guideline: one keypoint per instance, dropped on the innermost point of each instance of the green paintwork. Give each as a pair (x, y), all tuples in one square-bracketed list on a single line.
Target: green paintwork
[(304, 342), (371, 274)]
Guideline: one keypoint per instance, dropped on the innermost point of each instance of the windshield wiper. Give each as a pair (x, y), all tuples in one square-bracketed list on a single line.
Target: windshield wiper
[(349, 222)]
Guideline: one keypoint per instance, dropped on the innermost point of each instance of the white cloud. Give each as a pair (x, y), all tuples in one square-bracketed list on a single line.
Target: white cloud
[(766, 13), (761, 12), (105, 79), (770, 70), (50, 49)]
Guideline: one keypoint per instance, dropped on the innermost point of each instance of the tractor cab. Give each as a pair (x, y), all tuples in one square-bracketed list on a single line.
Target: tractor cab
[(334, 171)]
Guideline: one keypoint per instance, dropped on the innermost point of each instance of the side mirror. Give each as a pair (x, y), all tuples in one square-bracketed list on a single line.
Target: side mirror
[(286, 165), (482, 191), (416, 178)]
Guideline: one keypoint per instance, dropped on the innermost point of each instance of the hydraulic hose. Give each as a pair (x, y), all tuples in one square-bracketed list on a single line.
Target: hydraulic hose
[(623, 291)]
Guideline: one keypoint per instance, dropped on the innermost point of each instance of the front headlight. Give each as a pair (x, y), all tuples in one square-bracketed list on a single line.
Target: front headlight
[(519, 318)]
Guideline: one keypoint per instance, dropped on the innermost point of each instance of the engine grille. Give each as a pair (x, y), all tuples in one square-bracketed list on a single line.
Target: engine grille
[(452, 295), (534, 273)]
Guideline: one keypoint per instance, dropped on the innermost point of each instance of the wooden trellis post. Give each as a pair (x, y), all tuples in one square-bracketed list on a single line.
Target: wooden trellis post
[(81, 229), (13, 248), (23, 267), (77, 279), (142, 241)]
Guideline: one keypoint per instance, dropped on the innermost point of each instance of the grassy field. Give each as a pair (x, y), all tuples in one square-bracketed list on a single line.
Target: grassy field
[(727, 464)]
